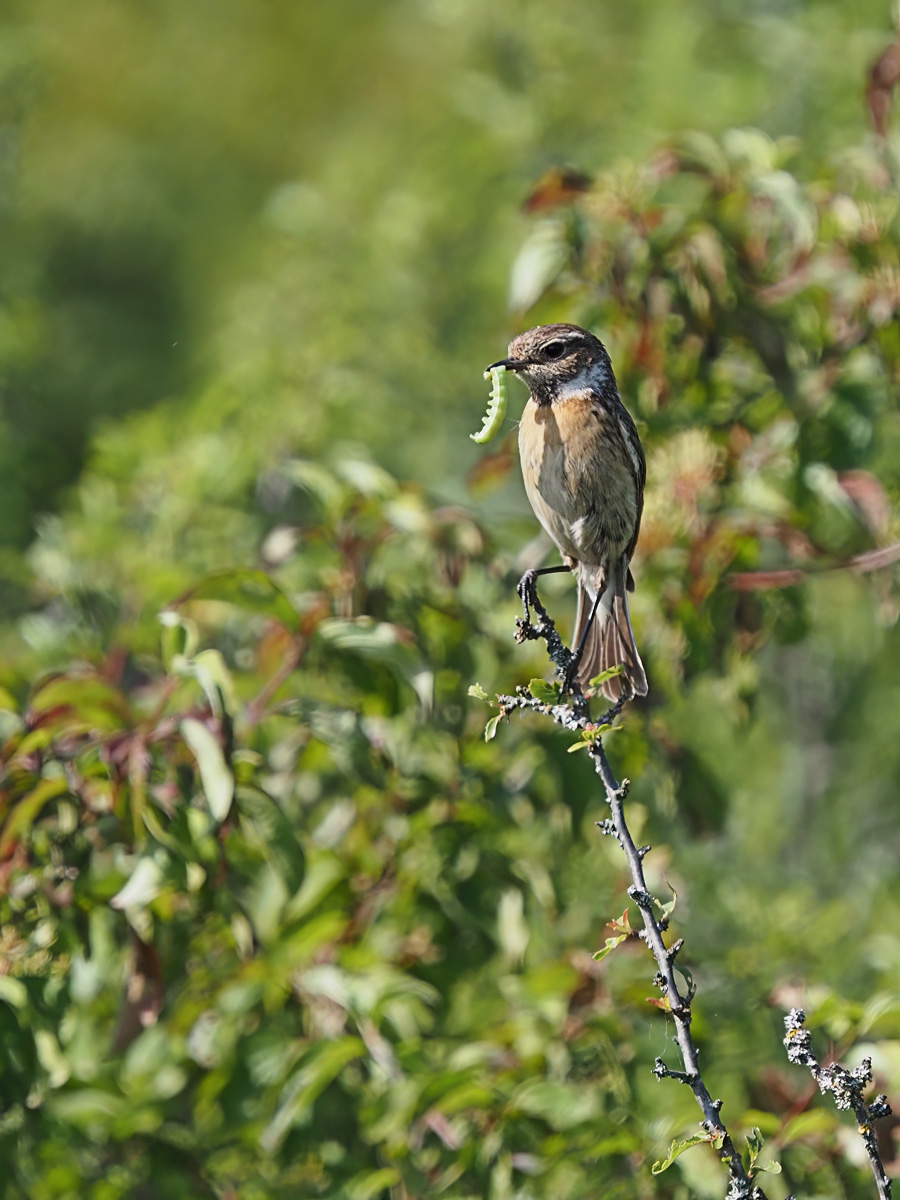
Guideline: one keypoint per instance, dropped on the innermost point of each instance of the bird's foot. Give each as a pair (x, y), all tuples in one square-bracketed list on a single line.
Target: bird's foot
[(526, 589), (542, 626)]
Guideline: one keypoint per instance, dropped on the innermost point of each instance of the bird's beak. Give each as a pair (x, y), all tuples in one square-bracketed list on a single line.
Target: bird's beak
[(511, 364)]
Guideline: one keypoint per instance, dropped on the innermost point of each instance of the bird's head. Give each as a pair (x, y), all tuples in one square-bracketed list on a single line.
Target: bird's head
[(555, 359)]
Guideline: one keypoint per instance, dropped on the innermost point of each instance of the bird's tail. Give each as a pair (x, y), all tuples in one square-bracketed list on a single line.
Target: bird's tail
[(610, 639)]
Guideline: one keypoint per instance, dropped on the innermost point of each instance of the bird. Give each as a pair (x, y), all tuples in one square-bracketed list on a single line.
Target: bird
[(584, 471)]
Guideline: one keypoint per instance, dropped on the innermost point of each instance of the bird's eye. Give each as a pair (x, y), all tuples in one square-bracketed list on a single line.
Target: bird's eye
[(554, 350)]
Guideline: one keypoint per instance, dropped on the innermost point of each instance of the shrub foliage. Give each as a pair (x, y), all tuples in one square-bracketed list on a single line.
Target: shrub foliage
[(278, 921)]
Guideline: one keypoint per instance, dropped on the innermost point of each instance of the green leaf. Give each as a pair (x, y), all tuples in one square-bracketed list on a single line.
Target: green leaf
[(215, 776), (490, 730), (320, 482), (264, 903), (263, 823), (589, 736), (755, 1142), (547, 693), (667, 909), (382, 642), (246, 588), (771, 1168), (678, 1148), (323, 876), (214, 677), (179, 638), (51, 1058), (84, 700), (25, 813), (611, 943), (13, 991), (477, 691), (365, 476), (685, 975), (369, 1184), (538, 263), (609, 673), (808, 1124), (87, 1108), (563, 1105), (324, 1063), (512, 928), (145, 882)]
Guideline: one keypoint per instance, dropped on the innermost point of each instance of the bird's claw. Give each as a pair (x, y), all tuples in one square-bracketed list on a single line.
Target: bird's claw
[(526, 589)]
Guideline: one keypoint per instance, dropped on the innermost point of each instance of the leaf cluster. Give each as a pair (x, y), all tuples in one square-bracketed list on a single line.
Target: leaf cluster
[(275, 918)]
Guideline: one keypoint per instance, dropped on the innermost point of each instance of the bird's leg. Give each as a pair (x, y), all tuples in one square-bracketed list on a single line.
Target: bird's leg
[(560, 654), (527, 587), (579, 649)]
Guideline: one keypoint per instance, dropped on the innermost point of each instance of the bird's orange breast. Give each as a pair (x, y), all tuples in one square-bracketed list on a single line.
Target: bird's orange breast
[(578, 476)]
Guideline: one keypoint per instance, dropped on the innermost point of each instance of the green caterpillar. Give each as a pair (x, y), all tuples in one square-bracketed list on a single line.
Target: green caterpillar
[(496, 409)]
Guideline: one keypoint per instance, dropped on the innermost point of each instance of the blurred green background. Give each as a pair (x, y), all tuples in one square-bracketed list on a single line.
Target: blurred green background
[(276, 920)]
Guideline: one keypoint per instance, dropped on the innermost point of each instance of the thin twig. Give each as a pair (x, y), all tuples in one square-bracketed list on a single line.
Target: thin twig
[(679, 1003), (760, 581), (846, 1087), (577, 718), (256, 709)]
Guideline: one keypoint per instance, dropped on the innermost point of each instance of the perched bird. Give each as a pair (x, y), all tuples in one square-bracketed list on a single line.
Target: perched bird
[(584, 471)]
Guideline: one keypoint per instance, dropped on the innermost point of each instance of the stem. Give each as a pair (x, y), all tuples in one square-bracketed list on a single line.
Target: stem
[(757, 581), (577, 718), (256, 709), (741, 1186), (847, 1089)]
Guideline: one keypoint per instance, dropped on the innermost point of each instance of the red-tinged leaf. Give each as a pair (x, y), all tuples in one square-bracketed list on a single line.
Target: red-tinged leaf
[(883, 77), (438, 1124), (621, 924), (660, 1002), (870, 499), (79, 702), (558, 186)]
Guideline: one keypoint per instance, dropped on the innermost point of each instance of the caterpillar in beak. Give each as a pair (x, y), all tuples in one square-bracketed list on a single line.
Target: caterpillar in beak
[(496, 409)]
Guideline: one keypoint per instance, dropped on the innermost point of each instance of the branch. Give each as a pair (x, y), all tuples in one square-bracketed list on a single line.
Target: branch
[(740, 1185), (758, 581), (577, 717), (256, 709), (847, 1089)]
